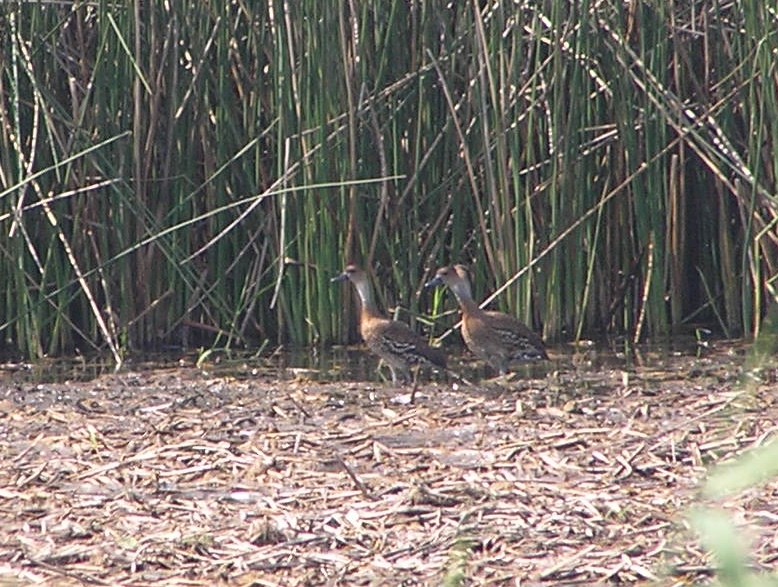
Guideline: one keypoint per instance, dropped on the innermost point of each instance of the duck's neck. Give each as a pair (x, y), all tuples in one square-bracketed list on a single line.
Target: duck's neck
[(365, 293), (464, 296)]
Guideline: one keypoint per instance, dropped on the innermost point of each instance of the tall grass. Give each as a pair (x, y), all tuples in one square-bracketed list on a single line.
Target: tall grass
[(188, 175)]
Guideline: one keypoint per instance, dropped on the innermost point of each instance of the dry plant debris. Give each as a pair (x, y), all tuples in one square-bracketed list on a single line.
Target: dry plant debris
[(181, 477)]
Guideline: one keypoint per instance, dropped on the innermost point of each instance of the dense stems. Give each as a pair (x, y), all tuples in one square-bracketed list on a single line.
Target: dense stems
[(195, 177)]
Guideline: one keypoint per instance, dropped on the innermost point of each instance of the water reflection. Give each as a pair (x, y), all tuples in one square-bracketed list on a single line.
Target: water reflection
[(357, 364)]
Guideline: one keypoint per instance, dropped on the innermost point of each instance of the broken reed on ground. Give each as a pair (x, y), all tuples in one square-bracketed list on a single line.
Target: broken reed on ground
[(582, 477), (720, 532), (197, 179)]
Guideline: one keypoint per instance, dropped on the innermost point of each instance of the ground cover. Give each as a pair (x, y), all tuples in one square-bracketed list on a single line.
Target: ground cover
[(578, 474)]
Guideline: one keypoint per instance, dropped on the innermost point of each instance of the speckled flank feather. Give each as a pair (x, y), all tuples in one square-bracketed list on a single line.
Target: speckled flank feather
[(399, 346), (495, 337)]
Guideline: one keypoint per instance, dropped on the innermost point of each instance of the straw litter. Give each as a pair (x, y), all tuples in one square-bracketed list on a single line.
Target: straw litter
[(181, 476)]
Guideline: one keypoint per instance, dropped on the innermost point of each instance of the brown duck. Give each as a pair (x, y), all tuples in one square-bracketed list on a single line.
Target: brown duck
[(398, 345), (495, 337)]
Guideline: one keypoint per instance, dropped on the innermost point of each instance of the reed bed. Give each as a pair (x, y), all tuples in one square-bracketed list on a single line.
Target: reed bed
[(193, 175)]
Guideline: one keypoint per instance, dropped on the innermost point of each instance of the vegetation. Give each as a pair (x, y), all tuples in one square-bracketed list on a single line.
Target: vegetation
[(734, 481), (194, 173)]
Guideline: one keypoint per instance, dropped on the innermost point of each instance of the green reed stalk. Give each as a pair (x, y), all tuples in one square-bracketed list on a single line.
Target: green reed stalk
[(195, 177)]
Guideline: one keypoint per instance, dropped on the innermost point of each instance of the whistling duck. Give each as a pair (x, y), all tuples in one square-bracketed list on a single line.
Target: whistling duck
[(393, 341), (495, 337)]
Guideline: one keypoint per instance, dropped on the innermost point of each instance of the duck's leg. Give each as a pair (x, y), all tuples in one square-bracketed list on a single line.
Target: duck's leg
[(415, 384), (400, 375)]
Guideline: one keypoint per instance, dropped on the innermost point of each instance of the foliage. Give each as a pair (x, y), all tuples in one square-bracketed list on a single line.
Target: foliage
[(193, 173), (734, 479)]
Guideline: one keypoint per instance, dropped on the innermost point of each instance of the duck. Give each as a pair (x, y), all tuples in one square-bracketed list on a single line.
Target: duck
[(497, 338), (394, 342)]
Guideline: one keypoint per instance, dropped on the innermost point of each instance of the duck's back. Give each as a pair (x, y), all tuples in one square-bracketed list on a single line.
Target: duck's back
[(501, 339), (397, 344)]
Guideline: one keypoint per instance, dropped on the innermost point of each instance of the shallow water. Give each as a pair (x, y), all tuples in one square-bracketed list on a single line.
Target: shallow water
[(357, 364)]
